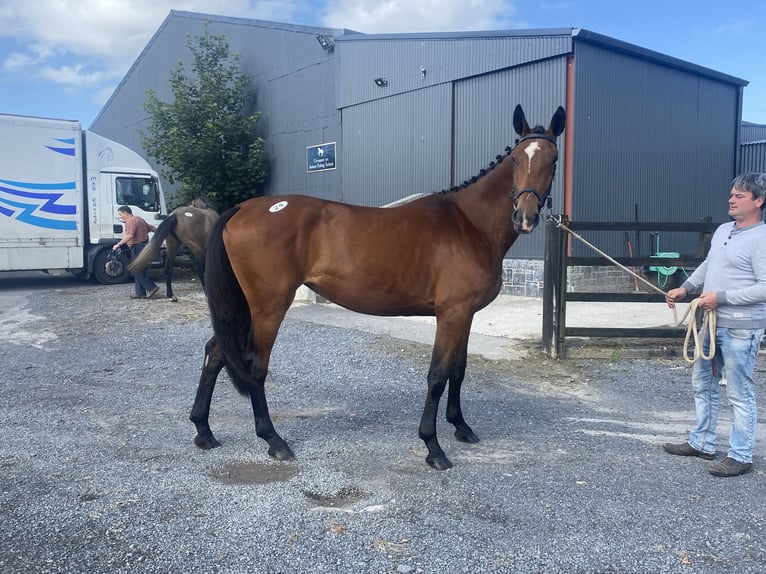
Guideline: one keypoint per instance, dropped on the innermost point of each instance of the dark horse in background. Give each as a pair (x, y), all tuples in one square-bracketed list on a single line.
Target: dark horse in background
[(440, 255), (189, 225)]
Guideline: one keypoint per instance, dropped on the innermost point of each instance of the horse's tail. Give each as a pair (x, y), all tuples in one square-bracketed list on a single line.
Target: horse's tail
[(152, 248), (229, 311)]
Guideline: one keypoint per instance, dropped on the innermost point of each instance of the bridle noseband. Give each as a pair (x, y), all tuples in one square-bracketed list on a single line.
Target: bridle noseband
[(541, 199)]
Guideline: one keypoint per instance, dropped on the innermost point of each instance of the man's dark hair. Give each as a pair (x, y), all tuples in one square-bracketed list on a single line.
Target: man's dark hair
[(753, 182), (125, 209)]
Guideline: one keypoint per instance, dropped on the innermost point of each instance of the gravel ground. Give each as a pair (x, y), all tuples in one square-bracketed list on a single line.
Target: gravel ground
[(98, 472)]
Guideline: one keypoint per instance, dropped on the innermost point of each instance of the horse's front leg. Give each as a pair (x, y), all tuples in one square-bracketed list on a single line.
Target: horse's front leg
[(200, 412), (447, 360)]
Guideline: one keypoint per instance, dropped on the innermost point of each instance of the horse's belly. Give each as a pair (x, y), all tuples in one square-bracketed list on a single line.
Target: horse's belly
[(374, 299)]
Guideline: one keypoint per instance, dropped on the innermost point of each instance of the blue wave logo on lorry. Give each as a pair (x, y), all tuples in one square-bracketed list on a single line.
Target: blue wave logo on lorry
[(38, 203)]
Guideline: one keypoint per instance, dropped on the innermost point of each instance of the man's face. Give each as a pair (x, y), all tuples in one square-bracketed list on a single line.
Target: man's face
[(742, 206)]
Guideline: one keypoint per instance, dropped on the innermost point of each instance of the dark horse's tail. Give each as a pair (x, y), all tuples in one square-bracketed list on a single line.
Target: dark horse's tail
[(229, 311), (152, 248)]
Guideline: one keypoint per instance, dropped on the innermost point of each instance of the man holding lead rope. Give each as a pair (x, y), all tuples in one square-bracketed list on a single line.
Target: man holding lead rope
[(732, 280)]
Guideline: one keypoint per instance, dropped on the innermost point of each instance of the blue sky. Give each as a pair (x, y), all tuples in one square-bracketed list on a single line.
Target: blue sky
[(63, 58)]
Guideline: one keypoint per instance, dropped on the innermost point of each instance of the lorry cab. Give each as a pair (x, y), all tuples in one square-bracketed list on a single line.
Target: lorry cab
[(115, 176), (60, 188)]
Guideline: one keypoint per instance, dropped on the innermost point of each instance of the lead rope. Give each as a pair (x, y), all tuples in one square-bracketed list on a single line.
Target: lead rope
[(708, 322)]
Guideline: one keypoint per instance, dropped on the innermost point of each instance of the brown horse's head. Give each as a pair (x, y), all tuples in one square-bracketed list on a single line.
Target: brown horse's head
[(534, 164)]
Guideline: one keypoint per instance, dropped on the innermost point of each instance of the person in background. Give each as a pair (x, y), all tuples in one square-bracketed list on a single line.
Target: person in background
[(733, 283), (136, 236)]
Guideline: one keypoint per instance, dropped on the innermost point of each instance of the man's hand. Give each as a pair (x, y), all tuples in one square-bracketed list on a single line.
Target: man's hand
[(708, 301), (674, 295)]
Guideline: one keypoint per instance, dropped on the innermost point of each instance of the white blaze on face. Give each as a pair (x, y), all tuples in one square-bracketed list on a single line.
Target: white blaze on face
[(531, 150)]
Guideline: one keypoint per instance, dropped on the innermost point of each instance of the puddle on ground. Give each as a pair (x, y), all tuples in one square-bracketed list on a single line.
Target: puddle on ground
[(345, 497), (253, 473)]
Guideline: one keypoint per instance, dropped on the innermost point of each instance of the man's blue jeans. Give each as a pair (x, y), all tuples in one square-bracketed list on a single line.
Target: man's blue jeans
[(143, 282), (736, 350)]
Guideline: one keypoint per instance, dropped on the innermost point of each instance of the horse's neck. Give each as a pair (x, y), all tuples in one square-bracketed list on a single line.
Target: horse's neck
[(487, 203)]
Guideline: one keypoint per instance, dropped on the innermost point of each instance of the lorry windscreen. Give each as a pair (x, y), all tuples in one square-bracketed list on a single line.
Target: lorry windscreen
[(138, 191)]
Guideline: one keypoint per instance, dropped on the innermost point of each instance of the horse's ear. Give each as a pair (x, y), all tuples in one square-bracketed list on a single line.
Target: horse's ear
[(520, 121), (558, 122)]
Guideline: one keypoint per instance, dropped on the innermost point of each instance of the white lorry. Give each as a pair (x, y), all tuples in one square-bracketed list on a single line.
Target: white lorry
[(60, 188)]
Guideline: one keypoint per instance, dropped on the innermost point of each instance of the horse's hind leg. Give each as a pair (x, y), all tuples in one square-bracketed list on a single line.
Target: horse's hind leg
[(264, 428), (172, 245), (265, 328), (200, 412)]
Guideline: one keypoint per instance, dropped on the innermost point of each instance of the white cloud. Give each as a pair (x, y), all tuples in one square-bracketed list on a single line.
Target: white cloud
[(74, 76), (86, 41), (391, 16), (17, 61)]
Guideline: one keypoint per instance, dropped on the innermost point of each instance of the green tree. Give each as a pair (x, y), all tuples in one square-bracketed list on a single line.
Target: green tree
[(205, 139)]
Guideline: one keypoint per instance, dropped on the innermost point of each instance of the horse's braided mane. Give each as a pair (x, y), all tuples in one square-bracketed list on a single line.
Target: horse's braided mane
[(492, 165)]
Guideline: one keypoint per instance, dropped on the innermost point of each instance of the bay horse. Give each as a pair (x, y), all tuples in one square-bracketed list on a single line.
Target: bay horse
[(440, 255), (188, 225)]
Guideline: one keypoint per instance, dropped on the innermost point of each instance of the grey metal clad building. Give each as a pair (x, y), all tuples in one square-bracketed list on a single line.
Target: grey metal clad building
[(648, 136), (753, 148), (753, 156), (753, 132)]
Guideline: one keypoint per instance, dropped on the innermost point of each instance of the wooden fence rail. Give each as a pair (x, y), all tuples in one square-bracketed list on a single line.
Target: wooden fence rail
[(558, 260)]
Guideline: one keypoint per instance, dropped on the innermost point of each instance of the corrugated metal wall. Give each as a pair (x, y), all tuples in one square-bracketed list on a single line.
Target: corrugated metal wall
[(394, 147), (753, 157), (444, 57), (752, 132), (650, 142)]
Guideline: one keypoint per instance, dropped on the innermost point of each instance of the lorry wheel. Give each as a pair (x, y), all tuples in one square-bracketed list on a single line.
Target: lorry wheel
[(110, 271)]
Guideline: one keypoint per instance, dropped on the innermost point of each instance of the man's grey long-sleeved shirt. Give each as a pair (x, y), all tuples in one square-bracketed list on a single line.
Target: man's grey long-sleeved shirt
[(735, 269)]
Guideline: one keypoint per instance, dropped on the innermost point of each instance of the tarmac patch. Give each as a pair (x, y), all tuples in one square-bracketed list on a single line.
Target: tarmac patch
[(17, 324)]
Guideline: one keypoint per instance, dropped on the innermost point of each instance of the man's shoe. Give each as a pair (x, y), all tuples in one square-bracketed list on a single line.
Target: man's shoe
[(152, 292), (685, 449), (138, 296), (730, 467)]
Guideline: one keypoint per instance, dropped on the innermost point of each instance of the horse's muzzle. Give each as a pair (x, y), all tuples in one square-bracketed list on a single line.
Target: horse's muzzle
[(523, 223)]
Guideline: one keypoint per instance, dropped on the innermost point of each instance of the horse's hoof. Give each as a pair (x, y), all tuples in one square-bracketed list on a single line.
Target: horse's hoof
[(206, 443), (282, 453), (439, 462), (466, 435)]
